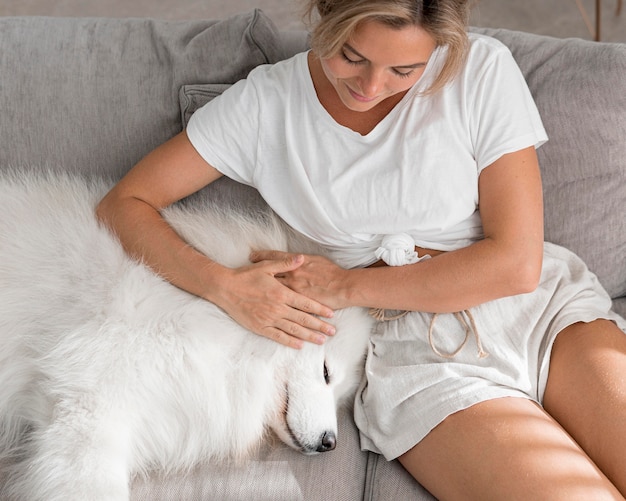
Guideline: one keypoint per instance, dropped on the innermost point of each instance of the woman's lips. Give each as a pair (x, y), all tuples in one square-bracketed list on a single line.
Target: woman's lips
[(359, 97)]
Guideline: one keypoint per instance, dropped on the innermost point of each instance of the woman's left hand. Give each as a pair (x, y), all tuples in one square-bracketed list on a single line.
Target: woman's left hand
[(318, 278)]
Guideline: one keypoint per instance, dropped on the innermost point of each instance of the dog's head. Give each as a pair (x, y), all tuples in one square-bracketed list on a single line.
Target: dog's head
[(319, 379)]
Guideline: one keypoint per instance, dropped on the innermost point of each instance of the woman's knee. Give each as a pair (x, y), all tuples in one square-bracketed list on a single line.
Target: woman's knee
[(586, 355)]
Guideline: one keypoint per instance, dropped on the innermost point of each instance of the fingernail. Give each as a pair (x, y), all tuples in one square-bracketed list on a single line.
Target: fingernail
[(320, 339), (331, 331)]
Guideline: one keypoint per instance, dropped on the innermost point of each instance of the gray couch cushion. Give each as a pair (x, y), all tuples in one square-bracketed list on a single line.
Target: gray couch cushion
[(388, 480), (580, 89), (193, 97), (103, 92), (619, 305)]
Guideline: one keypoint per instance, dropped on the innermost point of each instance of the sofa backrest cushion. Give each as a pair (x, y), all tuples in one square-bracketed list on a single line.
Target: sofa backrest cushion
[(94, 95)]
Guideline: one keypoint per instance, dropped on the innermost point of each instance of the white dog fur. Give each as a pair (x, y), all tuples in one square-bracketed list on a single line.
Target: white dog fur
[(107, 370)]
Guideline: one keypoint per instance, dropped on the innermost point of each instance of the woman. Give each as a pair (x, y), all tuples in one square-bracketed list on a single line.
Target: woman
[(398, 137)]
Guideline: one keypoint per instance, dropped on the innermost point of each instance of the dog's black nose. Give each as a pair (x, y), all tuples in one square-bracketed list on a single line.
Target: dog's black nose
[(328, 442)]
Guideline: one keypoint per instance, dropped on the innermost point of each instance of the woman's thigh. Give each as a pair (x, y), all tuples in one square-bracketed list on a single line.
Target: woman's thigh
[(505, 449), (586, 392)]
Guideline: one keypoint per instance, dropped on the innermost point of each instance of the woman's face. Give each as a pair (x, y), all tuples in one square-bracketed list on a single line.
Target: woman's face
[(378, 62)]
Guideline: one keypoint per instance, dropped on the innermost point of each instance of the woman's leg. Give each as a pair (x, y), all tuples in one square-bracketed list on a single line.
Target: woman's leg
[(586, 393), (505, 449)]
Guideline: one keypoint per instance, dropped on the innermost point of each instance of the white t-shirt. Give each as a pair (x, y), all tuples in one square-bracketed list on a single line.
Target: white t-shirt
[(416, 173)]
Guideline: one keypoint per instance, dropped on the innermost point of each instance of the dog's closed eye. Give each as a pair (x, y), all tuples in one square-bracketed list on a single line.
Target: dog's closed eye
[(326, 374)]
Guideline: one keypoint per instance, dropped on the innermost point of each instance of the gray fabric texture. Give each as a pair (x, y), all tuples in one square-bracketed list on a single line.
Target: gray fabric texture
[(619, 305), (388, 480), (193, 97), (96, 95)]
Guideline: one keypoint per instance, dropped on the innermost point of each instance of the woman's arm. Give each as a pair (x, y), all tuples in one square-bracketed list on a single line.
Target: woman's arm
[(506, 262), (251, 295)]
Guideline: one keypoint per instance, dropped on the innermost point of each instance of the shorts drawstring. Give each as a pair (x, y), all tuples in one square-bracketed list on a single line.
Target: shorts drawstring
[(469, 327), (380, 314)]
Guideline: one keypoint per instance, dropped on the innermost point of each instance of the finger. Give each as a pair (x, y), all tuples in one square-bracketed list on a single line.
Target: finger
[(297, 331), (307, 305), (293, 333), (312, 324), (283, 263), (283, 338)]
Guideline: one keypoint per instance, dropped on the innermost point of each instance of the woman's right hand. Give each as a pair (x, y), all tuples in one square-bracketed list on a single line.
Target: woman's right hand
[(257, 300)]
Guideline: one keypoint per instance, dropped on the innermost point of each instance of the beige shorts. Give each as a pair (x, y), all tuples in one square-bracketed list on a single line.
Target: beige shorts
[(408, 389)]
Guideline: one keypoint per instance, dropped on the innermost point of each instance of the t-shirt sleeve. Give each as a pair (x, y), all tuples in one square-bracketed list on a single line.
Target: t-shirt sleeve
[(503, 115), (225, 131)]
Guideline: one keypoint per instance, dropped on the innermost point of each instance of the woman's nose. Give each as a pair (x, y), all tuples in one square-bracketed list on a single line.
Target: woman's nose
[(372, 83)]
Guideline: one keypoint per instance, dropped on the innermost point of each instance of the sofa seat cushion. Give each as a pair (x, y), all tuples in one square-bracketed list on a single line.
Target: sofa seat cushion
[(274, 472)]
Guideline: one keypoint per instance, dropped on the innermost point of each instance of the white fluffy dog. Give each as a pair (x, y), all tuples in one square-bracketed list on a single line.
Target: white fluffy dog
[(107, 370)]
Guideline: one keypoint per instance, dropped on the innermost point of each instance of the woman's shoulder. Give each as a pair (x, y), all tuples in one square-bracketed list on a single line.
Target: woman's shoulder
[(283, 72), (486, 54), (266, 86), (483, 47), (482, 42)]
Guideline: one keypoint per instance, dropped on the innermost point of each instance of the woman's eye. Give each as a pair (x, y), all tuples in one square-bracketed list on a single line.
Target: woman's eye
[(351, 61), (403, 74)]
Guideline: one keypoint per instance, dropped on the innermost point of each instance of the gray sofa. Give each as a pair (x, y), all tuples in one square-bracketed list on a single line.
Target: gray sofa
[(95, 95)]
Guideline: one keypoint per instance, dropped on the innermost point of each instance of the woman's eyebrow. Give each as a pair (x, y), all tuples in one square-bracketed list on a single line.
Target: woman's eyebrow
[(407, 66)]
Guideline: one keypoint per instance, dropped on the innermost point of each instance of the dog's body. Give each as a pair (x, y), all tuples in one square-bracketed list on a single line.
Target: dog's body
[(107, 370)]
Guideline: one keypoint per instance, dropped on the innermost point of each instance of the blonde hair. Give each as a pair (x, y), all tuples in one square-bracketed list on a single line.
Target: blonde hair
[(444, 20)]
